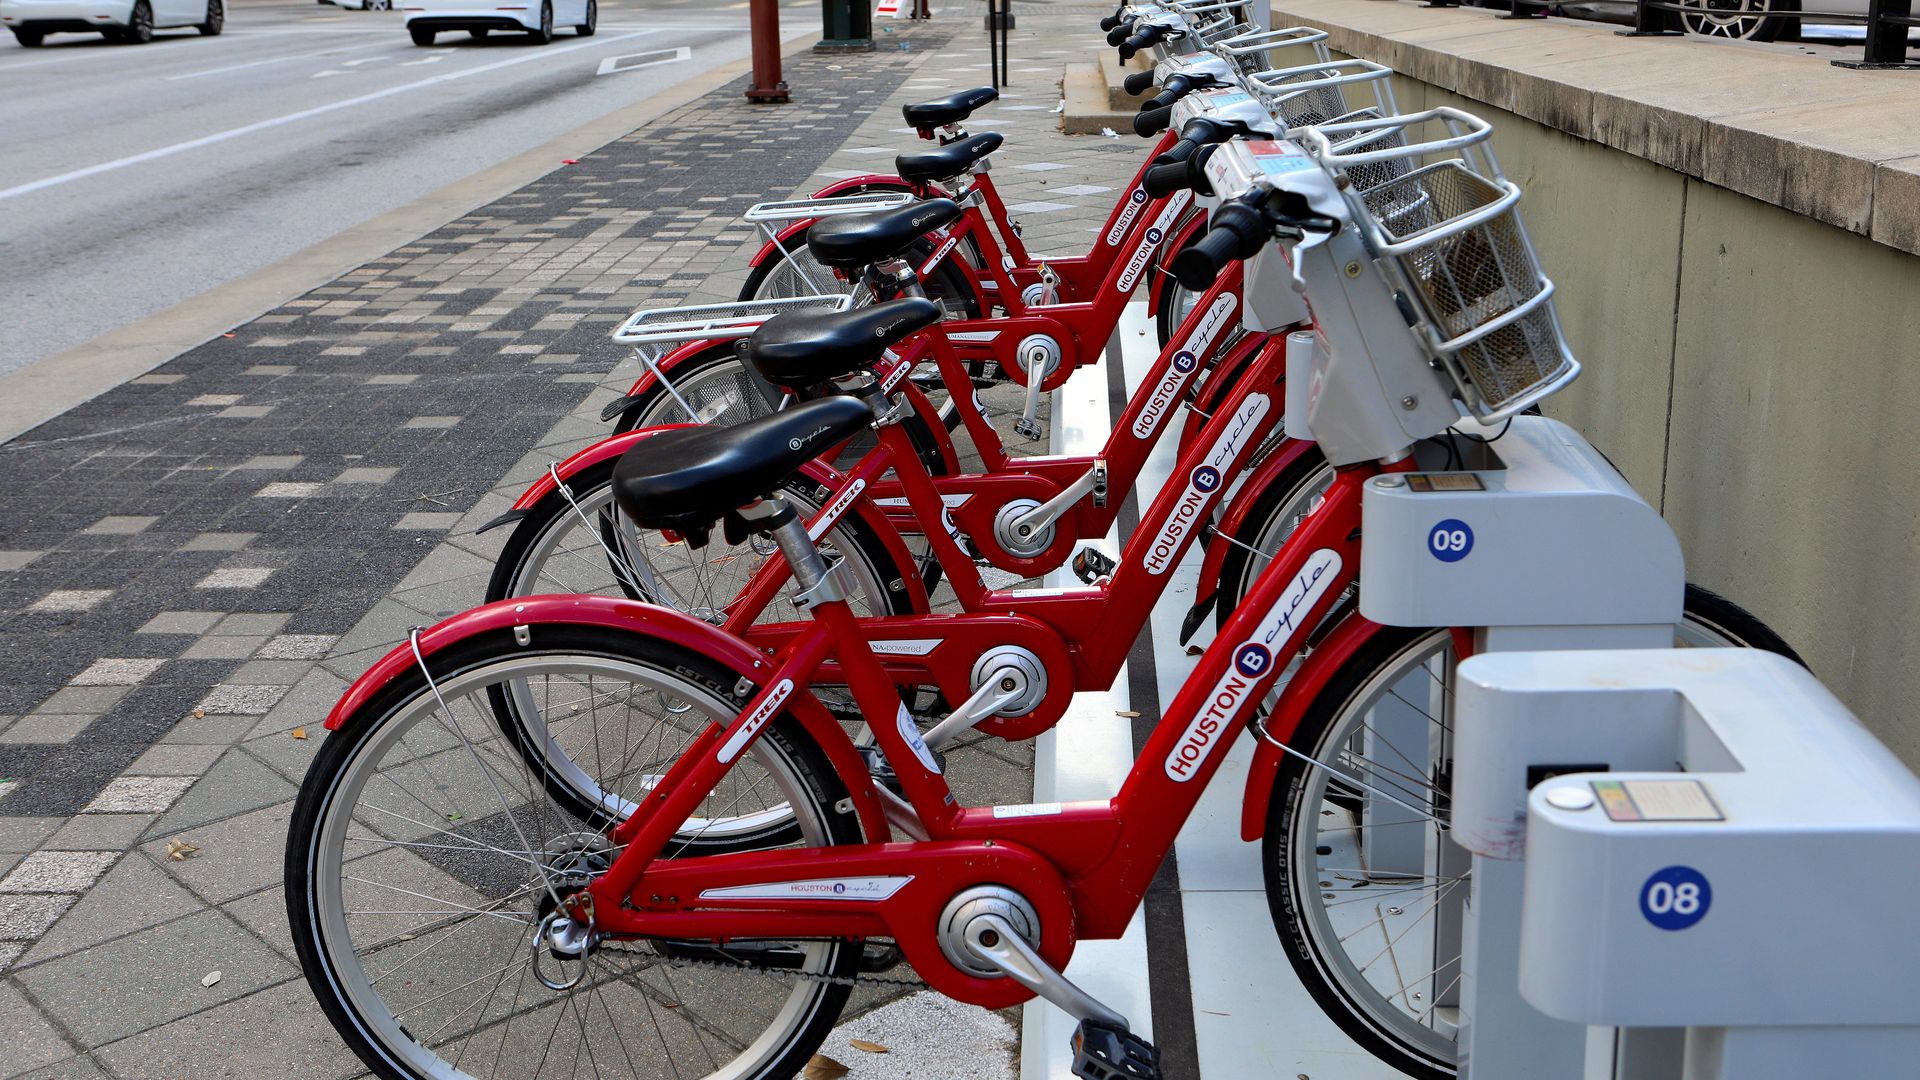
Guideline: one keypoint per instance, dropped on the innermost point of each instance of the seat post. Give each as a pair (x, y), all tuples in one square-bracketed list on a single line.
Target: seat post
[(814, 581)]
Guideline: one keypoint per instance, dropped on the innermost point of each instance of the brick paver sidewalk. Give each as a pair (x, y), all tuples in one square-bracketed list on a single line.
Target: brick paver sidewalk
[(195, 564)]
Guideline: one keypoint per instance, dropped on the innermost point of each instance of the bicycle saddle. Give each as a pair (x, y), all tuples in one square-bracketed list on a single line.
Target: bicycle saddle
[(851, 241), (688, 478), (950, 160), (949, 110), (801, 349)]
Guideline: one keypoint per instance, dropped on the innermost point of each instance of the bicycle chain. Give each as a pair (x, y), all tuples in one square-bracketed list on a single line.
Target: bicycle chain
[(854, 981)]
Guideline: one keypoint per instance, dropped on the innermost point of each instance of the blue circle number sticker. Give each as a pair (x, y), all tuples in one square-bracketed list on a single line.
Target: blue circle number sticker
[(1676, 898), (1450, 540)]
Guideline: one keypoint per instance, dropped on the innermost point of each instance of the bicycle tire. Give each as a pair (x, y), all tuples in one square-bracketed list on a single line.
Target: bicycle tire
[(315, 882), (1301, 892)]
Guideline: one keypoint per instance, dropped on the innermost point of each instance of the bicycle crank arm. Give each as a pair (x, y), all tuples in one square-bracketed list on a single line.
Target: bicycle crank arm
[(994, 940)]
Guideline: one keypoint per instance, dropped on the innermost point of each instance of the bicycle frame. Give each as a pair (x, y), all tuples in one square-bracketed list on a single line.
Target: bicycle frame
[(1085, 866), (1082, 631)]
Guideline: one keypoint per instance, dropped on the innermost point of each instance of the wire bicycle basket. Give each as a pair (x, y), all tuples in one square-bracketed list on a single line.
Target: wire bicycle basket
[(1251, 50), (1445, 223)]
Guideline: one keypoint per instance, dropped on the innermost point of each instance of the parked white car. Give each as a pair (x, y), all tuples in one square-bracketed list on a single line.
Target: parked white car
[(1745, 20), (130, 21), (536, 18)]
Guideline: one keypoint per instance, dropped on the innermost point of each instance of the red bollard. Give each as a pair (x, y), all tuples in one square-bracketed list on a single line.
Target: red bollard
[(764, 20)]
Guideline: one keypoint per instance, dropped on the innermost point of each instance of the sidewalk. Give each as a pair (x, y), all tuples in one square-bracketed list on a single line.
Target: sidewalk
[(194, 565)]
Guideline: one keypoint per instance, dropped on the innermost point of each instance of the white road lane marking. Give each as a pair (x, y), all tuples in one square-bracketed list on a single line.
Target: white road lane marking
[(304, 114), (337, 50), (112, 52), (614, 64)]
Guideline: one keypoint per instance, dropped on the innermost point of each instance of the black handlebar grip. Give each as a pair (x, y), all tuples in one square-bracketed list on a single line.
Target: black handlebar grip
[(1176, 88), (1120, 33), (1142, 40), (1235, 232), (1163, 180), (1138, 82), (1150, 122), (1181, 150), (1110, 21)]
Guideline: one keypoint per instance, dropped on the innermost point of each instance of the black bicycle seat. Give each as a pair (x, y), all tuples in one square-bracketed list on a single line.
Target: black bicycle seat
[(950, 109), (950, 160), (799, 349), (688, 478), (855, 240)]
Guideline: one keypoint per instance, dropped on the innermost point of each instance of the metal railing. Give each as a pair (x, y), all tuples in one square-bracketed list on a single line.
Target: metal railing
[(1887, 21)]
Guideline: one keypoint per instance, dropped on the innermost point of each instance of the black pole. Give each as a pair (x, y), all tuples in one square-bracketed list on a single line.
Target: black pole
[(1651, 21), (1887, 24), (993, 46), (1005, 27)]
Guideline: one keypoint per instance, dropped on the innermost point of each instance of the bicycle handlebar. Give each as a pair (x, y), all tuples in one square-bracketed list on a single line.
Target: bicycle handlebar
[(1235, 231), (1150, 122), (1119, 33), (1163, 180), (1139, 82), (1172, 90), (1145, 39)]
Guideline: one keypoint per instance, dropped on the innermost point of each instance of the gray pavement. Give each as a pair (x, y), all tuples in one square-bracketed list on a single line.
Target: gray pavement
[(204, 558), (134, 177)]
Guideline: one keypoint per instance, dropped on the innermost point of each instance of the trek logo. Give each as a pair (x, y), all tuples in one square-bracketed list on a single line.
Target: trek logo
[(834, 509), (1160, 402), (939, 254), (899, 371), (1155, 233), (795, 444), (1252, 662), (1202, 482), (1135, 200), (758, 719)]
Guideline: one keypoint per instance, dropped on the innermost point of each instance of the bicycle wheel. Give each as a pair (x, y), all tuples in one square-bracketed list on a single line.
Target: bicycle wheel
[(1278, 509), (714, 382), (422, 856), (578, 541), (1366, 892)]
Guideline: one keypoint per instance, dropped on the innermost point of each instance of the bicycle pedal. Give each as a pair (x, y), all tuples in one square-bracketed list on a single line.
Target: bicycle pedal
[(1104, 1053), (1026, 429), (1092, 564)]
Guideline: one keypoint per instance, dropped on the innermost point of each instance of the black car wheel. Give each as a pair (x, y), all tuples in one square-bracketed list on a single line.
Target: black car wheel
[(587, 28), (139, 29), (216, 18), (1739, 20), (545, 33)]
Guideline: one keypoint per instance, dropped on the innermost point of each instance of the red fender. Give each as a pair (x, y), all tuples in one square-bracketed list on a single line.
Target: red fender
[(1182, 230), (1288, 452), (622, 614), (821, 474), (1333, 652), (680, 355)]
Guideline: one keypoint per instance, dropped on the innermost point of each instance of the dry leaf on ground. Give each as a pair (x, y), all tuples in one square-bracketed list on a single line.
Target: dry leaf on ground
[(178, 850), (869, 1047), (299, 733), (822, 1067), (1128, 713), (212, 977)]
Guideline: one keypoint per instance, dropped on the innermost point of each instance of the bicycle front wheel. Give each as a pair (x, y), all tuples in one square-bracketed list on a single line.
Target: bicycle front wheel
[(1365, 887), (423, 855)]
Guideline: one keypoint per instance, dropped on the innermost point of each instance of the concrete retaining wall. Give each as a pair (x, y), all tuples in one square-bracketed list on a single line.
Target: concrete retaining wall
[(1753, 370)]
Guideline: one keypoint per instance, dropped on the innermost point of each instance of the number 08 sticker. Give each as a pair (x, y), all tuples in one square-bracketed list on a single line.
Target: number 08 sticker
[(1676, 898)]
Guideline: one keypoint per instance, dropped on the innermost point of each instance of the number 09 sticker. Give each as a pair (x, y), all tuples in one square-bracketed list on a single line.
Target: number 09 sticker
[(1676, 898), (1450, 540)]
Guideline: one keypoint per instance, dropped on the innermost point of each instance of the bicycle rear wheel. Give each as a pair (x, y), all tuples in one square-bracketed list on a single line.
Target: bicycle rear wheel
[(1366, 891), (422, 855)]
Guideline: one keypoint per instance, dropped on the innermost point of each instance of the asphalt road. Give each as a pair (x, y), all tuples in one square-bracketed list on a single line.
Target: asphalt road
[(134, 177)]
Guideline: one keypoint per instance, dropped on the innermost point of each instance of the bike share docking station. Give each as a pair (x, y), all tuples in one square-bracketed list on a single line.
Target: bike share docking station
[(1713, 876)]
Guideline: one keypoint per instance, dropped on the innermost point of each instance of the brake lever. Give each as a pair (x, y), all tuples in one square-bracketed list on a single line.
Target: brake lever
[(1301, 240)]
